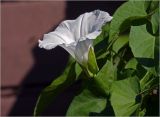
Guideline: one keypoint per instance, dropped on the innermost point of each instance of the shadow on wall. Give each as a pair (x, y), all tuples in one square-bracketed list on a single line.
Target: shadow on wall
[(50, 64)]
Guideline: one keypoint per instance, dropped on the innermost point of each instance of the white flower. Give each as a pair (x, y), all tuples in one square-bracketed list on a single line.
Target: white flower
[(76, 36)]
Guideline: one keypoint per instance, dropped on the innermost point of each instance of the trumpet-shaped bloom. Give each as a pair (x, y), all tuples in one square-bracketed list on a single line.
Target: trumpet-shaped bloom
[(76, 36)]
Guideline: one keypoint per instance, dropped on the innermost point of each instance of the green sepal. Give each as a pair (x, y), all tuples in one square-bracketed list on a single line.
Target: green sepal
[(92, 67)]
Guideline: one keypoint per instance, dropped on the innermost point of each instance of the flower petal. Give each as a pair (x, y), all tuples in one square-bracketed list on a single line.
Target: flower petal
[(85, 26), (50, 41), (93, 35), (93, 21), (61, 35), (87, 23), (81, 51), (70, 48), (101, 18), (75, 36)]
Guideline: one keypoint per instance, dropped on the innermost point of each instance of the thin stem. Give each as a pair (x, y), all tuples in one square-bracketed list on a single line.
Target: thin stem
[(153, 87), (121, 58), (111, 43)]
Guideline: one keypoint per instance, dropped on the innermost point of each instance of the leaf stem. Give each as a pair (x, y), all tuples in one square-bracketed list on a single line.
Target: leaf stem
[(153, 87)]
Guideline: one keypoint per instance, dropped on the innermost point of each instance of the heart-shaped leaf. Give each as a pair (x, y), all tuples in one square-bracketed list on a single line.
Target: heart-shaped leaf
[(124, 98), (142, 45)]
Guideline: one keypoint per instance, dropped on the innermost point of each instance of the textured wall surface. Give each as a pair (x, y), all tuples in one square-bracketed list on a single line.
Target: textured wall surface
[(23, 23)]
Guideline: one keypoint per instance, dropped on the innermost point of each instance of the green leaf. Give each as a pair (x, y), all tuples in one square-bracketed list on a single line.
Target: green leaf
[(104, 34), (156, 56), (142, 45), (124, 15), (85, 103), (155, 22), (151, 5), (120, 42), (142, 112), (131, 64), (78, 69), (100, 43), (55, 88), (154, 5), (147, 5), (105, 77), (124, 98), (125, 73), (148, 81), (152, 25)]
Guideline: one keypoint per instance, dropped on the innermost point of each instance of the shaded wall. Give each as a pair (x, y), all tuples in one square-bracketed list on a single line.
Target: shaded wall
[(23, 23), (27, 69)]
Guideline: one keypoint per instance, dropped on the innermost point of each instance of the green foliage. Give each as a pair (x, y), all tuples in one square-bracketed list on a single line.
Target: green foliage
[(125, 63), (155, 22), (85, 103), (92, 63), (141, 42), (142, 45), (124, 16), (132, 64), (124, 96), (55, 88), (148, 81), (105, 77), (101, 43), (120, 42)]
